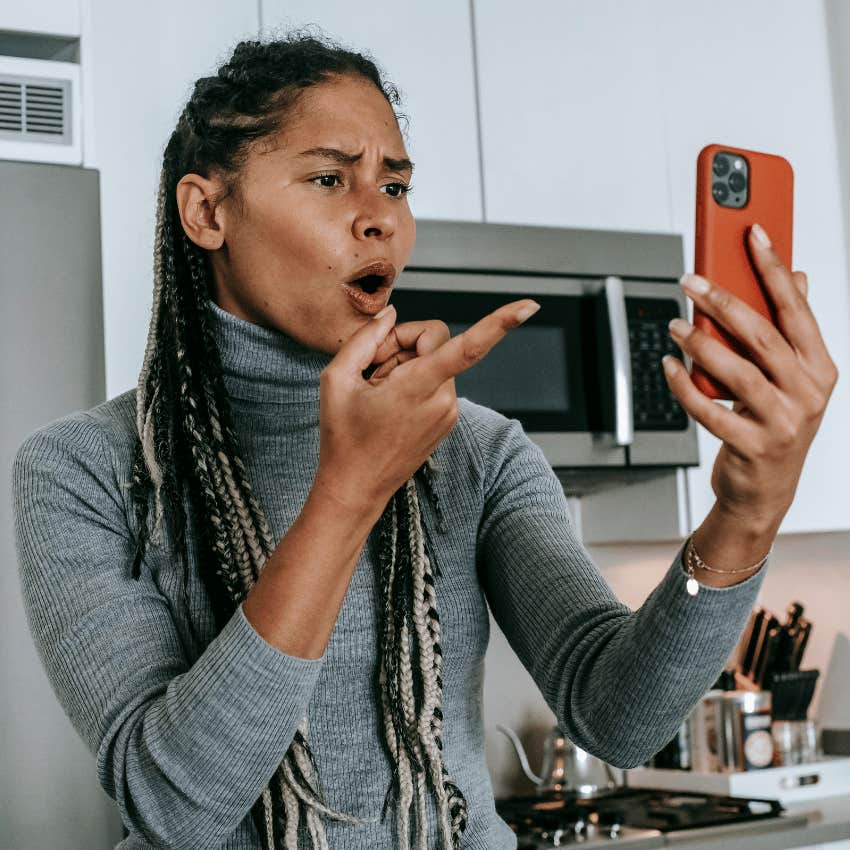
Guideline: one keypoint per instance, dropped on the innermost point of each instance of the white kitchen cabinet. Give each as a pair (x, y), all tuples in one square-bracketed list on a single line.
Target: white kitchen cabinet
[(571, 122), (46, 17), (592, 115), (426, 51)]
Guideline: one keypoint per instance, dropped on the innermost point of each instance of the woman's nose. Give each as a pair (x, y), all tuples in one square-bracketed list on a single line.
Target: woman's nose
[(375, 216)]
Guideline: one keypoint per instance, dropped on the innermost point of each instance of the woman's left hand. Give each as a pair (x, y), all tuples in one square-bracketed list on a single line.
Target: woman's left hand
[(782, 394)]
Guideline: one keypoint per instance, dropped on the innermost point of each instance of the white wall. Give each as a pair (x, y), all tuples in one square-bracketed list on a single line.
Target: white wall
[(143, 59)]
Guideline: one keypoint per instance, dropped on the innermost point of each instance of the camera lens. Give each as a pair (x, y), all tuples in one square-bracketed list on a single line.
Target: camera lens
[(721, 165), (737, 181), (720, 192)]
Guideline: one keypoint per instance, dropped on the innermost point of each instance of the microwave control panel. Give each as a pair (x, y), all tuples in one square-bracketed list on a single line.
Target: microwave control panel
[(655, 408)]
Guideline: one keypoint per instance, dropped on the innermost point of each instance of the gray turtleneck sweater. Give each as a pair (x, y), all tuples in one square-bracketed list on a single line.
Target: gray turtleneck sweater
[(186, 734)]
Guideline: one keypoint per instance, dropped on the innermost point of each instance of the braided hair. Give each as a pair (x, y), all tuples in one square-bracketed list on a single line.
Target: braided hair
[(187, 446)]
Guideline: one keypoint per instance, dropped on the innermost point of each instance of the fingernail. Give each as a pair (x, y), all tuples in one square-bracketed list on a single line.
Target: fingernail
[(680, 327), (667, 363), (759, 233), (694, 283), (383, 312), (530, 310)]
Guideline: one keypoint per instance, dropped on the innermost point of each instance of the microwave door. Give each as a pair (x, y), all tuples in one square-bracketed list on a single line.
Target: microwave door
[(544, 372), (579, 360), (603, 350)]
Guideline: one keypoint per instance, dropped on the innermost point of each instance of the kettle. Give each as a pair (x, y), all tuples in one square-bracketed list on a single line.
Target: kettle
[(565, 767)]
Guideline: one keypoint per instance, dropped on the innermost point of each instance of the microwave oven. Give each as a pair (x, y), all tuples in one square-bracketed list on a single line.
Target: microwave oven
[(583, 375)]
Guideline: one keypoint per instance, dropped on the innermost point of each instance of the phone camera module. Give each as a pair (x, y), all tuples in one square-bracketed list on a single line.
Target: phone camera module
[(730, 179), (737, 182), (721, 165), (720, 192)]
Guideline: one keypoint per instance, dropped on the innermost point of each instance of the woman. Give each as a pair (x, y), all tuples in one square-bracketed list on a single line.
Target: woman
[(299, 575)]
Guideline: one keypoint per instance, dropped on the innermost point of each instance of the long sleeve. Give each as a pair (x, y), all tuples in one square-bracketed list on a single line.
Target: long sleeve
[(620, 682), (184, 750)]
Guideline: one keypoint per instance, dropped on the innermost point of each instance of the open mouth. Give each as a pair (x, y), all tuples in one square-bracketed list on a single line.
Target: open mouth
[(369, 283)]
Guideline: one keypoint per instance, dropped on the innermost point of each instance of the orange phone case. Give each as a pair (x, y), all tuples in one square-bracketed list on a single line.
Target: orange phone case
[(721, 250)]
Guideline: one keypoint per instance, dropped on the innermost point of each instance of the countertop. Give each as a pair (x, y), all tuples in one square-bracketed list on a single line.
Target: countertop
[(827, 819)]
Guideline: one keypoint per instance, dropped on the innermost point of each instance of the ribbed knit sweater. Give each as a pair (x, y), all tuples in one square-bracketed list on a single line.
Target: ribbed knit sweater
[(187, 734)]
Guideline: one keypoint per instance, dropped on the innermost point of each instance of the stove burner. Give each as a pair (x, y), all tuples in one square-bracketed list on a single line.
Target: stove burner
[(560, 818)]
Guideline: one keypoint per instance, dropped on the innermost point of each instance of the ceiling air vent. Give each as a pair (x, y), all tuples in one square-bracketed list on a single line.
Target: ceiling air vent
[(34, 109)]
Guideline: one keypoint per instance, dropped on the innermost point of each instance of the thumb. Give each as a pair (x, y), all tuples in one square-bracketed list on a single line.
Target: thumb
[(359, 349)]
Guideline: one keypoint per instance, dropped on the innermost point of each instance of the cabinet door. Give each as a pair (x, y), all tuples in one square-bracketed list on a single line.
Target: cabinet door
[(756, 75), (571, 119), (426, 51), (47, 17)]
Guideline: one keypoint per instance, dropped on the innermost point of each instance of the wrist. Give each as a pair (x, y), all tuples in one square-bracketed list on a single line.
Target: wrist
[(700, 572), (727, 540), (732, 547), (330, 493), (749, 525)]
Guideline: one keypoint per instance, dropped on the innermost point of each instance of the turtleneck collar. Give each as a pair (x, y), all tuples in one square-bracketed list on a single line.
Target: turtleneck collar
[(265, 365)]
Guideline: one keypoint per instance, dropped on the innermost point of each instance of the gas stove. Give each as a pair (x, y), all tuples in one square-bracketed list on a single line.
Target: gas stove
[(641, 815)]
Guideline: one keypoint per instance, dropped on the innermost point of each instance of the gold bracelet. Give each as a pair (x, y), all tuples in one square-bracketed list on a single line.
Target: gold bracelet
[(693, 560)]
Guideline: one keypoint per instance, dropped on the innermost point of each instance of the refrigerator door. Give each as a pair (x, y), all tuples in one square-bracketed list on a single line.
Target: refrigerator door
[(51, 363)]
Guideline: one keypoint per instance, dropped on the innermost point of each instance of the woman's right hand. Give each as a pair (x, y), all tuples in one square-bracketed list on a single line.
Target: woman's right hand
[(374, 434)]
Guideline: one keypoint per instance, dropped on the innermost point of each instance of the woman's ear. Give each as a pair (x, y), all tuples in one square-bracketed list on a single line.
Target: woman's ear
[(200, 214)]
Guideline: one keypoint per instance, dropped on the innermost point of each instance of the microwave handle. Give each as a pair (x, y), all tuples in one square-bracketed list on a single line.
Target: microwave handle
[(621, 359)]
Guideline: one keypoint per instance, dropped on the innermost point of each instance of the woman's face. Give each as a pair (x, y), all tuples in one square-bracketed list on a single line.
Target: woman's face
[(281, 253)]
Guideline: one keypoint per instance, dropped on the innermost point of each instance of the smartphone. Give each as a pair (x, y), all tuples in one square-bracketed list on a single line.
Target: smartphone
[(735, 189)]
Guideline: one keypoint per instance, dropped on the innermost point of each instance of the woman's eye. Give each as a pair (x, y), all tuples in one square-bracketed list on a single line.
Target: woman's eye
[(399, 189), (326, 177), (402, 189)]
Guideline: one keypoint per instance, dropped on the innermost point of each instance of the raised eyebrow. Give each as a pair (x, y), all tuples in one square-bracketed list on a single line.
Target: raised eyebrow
[(344, 158)]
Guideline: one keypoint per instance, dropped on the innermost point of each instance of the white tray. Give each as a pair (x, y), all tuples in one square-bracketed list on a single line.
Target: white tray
[(824, 778)]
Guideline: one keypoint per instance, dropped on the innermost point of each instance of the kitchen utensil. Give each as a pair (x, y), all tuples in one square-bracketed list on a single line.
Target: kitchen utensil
[(770, 645), (800, 641), (768, 622), (759, 624), (789, 631), (749, 638), (565, 766)]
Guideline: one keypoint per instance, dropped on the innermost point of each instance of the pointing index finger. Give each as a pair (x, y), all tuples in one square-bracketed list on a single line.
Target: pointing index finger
[(459, 353)]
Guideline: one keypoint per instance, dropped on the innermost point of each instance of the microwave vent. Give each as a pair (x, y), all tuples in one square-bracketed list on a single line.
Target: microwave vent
[(34, 110)]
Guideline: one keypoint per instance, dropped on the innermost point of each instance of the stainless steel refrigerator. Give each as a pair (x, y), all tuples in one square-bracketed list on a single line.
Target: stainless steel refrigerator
[(51, 363)]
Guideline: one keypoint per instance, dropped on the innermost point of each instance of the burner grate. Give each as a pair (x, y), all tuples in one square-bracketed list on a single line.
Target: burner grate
[(560, 818)]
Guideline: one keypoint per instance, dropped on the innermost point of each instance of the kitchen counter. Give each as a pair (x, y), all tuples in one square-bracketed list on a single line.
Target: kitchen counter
[(804, 824)]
